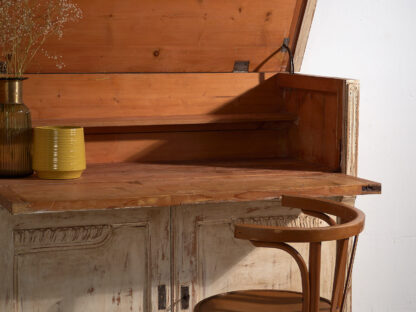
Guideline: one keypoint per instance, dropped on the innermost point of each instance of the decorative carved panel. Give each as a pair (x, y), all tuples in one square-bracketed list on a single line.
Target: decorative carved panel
[(83, 268), (61, 237)]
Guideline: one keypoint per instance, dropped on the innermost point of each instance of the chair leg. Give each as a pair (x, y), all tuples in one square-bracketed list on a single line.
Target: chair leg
[(347, 283), (315, 275), (339, 279)]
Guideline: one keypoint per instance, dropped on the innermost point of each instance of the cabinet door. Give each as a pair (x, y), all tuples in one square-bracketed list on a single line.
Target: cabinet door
[(88, 262), (208, 259)]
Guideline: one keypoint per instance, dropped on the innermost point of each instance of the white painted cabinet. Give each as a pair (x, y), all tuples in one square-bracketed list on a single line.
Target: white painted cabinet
[(130, 259), (103, 261), (209, 260)]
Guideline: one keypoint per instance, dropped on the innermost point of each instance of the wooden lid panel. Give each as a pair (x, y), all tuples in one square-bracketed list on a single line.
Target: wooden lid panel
[(175, 36)]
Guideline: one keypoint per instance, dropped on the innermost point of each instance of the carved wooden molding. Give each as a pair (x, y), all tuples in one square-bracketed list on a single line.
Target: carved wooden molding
[(26, 240), (29, 242), (351, 109)]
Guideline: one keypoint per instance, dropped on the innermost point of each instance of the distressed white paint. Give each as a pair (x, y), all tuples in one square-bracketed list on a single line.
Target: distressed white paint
[(374, 41), (209, 260), (114, 261), (109, 277), (111, 261)]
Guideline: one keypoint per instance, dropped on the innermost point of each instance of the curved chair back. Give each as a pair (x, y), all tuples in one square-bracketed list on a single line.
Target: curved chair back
[(350, 224)]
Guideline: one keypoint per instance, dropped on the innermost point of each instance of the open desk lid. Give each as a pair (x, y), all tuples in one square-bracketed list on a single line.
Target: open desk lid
[(180, 36)]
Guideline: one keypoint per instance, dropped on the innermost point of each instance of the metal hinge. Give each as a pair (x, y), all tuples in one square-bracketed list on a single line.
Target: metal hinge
[(184, 297), (241, 66), (161, 297), (3, 67), (371, 188), (285, 44)]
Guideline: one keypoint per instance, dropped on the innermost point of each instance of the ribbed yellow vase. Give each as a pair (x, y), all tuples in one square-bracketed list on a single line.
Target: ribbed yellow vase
[(59, 152)]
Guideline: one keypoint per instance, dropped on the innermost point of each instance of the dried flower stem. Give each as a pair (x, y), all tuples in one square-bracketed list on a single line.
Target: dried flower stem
[(25, 25)]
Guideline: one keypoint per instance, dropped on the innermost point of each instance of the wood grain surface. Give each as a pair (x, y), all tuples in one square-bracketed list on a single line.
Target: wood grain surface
[(319, 104), (120, 185), (91, 96), (174, 120), (145, 114), (175, 36), (179, 146)]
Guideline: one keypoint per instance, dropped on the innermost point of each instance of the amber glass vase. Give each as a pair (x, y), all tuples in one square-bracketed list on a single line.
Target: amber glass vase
[(15, 130)]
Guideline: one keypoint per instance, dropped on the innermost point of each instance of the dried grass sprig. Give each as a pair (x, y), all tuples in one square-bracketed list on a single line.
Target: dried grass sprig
[(25, 25)]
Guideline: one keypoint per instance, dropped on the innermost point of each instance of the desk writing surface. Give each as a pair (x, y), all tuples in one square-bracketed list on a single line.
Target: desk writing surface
[(124, 185)]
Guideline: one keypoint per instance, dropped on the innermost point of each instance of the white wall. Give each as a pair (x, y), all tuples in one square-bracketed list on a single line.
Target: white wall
[(375, 41)]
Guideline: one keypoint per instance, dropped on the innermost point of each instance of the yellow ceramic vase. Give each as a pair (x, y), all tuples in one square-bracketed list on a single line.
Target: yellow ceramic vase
[(58, 152)]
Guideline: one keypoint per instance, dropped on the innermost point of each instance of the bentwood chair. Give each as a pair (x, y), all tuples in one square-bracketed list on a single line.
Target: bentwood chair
[(351, 223)]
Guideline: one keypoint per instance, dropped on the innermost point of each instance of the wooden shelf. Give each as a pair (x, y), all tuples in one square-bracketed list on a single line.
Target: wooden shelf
[(168, 120), (123, 185)]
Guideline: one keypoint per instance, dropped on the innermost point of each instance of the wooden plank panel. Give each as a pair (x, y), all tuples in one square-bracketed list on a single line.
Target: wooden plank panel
[(317, 136), (186, 146), (175, 36), (84, 96), (169, 120), (203, 170), (319, 105), (308, 82), (127, 185)]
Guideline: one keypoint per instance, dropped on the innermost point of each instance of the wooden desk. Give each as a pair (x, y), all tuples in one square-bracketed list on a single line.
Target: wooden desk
[(151, 219), (179, 148), (174, 232)]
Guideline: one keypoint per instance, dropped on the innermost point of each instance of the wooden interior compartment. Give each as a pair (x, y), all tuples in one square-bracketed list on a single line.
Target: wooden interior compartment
[(320, 104), (196, 117), (130, 112), (166, 117)]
